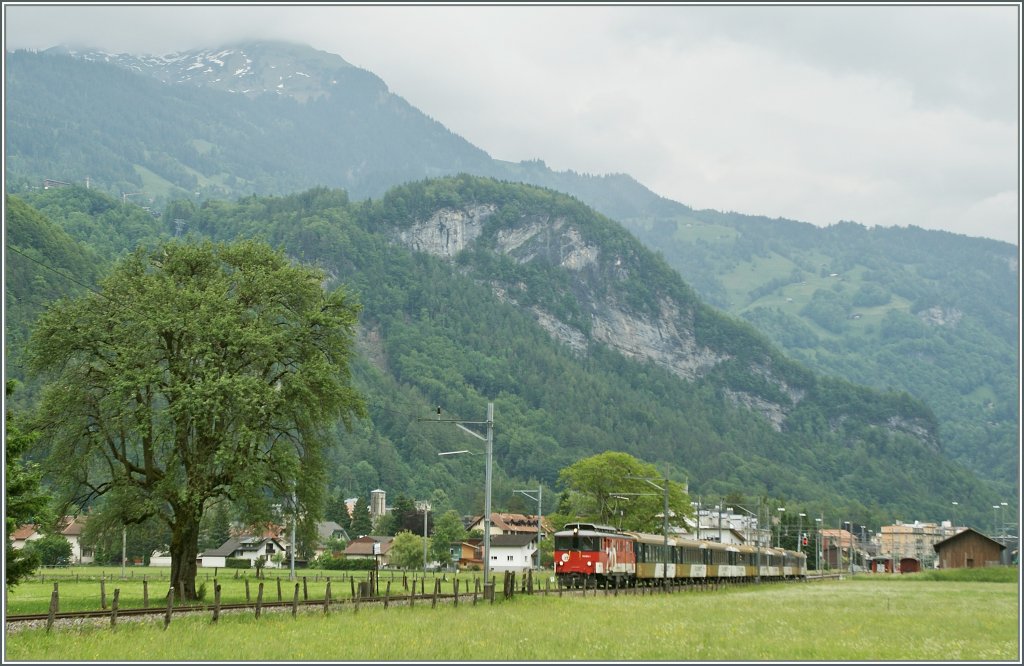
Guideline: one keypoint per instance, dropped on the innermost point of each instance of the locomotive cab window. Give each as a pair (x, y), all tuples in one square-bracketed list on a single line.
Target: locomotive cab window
[(577, 542)]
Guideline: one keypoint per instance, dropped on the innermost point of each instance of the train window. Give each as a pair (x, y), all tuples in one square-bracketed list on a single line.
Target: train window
[(577, 542)]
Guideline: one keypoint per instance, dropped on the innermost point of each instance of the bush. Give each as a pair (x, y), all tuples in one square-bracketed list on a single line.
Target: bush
[(52, 550), (237, 563), (342, 563)]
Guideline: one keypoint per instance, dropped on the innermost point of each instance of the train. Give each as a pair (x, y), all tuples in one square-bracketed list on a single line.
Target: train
[(591, 555)]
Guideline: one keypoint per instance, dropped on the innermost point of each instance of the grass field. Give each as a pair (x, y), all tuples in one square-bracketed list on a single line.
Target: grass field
[(79, 588), (868, 618)]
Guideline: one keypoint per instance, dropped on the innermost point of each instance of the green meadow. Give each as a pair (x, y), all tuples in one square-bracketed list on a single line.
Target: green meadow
[(80, 588), (866, 618)]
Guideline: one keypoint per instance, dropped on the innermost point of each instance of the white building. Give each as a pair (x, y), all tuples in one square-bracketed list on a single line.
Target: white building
[(249, 548), (513, 552)]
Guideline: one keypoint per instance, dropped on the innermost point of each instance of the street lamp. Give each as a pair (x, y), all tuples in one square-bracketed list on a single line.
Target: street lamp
[(995, 507), (800, 533), (955, 505), (489, 439), (1002, 521), (778, 539)]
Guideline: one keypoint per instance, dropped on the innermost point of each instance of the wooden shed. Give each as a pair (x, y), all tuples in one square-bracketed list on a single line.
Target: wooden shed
[(968, 549)]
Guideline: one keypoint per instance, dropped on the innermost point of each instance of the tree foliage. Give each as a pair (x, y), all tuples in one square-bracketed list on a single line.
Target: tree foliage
[(361, 524), (53, 550), (447, 530), (25, 501), (198, 371), (406, 551), (616, 488)]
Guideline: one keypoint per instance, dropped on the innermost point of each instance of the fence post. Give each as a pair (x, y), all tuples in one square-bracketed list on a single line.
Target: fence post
[(295, 600), (305, 590), (455, 584), (103, 592), (113, 606), (387, 594), (53, 609), (216, 600), (279, 588), (247, 597), (259, 600), (56, 597), (145, 593), (437, 588), (327, 597), (170, 606)]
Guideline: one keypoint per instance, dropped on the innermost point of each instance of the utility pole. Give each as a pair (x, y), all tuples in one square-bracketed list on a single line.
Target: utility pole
[(540, 489), (489, 423), (291, 551), (424, 506)]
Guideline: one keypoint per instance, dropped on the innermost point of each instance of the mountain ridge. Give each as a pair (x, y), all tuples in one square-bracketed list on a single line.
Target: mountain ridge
[(744, 265)]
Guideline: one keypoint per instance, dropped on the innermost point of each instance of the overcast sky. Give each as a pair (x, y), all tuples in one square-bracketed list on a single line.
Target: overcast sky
[(880, 114)]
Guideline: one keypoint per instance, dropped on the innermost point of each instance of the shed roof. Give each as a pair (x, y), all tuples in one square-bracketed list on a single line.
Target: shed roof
[(958, 535)]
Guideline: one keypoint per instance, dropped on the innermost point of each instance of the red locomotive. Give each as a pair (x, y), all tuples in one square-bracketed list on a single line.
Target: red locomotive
[(588, 552)]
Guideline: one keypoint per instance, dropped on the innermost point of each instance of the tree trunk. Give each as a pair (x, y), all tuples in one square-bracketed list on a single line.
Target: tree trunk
[(184, 548)]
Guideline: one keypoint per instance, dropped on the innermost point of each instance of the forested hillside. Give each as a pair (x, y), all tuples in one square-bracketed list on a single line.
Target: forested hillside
[(477, 325), (927, 312), (901, 309)]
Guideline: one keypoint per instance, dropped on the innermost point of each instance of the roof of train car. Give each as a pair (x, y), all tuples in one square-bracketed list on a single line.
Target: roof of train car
[(644, 537), (583, 529)]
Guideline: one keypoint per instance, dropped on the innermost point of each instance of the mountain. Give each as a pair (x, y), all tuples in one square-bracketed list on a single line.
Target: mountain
[(929, 313), (476, 290)]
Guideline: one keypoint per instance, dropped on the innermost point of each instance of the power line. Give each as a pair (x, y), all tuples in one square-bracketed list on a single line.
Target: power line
[(54, 270)]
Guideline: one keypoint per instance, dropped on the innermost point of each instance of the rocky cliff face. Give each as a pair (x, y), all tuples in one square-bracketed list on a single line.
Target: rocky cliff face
[(601, 284), (667, 340)]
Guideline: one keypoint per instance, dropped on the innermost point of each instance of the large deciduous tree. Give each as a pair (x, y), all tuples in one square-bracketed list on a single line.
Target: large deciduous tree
[(406, 551), (197, 372), (614, 487)]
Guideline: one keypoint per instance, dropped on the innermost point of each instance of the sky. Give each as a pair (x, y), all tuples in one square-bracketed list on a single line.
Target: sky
[(885, 115)]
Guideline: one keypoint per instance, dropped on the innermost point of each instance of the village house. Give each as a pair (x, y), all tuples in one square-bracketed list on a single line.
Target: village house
[(250, 548), (511, 523), (370, 547), (513, 552), (69, 527)]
